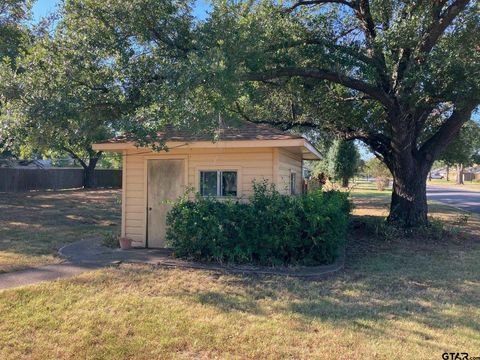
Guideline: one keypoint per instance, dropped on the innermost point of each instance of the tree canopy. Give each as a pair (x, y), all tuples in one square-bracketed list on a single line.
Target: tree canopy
[(61, 97), (402, 77), (13, 32)]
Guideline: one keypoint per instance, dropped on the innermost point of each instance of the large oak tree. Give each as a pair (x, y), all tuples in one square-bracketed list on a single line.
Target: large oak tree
[(401, 76)]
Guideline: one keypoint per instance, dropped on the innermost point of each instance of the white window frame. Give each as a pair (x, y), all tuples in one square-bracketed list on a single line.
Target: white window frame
[(219, 181)]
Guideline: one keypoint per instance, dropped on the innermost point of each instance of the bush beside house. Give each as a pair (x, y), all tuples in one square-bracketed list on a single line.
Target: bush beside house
[(269, 229)]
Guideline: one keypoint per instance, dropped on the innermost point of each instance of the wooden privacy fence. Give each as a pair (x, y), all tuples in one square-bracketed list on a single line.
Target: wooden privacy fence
[(471, 177), (18, 179)]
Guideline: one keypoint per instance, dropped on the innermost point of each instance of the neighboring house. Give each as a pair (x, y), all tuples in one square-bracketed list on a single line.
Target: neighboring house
[(23, 164), (225, 168), (471, 173)]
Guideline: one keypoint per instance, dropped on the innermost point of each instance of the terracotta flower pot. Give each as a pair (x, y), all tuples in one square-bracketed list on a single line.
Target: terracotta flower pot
[(125, 243)]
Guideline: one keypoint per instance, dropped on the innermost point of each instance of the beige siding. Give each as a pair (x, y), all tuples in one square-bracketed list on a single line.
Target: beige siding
[(288, 163), (252, 164), (135, 206)]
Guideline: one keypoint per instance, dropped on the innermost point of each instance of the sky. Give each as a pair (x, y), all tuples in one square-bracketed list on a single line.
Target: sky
[(42, 8)]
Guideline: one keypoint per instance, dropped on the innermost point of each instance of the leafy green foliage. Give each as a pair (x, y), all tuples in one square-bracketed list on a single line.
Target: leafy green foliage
[(61, 97), (65, 99), (110, 239), (14, 38), (465, 149), (376, 168), (271, 229), (343, 161), (13, 32)]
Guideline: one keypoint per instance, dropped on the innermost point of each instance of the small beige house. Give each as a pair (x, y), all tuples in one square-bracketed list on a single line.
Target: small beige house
[(225, 168)]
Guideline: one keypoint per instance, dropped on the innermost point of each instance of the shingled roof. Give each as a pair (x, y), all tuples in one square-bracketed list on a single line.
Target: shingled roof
[(243, 131)]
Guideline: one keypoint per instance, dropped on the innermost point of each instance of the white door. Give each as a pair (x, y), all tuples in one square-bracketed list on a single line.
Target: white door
[(165, 182)]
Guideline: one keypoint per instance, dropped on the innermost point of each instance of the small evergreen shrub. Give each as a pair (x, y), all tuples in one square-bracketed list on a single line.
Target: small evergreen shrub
[(270, 229), (110, 239)]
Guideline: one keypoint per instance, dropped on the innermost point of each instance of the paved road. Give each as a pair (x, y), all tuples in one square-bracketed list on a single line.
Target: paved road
[(465, 199)]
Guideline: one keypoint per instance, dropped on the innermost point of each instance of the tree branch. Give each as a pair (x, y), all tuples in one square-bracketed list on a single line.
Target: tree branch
[(317, 2), (438, 27), (284, 125), (354, 53), (447, 131), (75, 156), (366, 19), (379, 143), (337, 78), (440, 22), (363, 14)]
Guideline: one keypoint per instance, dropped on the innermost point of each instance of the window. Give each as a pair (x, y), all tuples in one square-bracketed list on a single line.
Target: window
[(293, 183), (218, 183)]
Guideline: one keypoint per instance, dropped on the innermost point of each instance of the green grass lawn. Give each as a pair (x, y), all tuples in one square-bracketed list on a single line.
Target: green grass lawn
[(34, 225), (470, 185), (362, 184), (396, 299)]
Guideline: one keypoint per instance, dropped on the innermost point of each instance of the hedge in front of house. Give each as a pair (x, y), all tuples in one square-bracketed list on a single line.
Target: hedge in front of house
[(270, 229)]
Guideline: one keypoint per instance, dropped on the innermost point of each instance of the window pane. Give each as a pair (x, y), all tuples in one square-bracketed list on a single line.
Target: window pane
[(208, 183), (229, 183), (293, 183)]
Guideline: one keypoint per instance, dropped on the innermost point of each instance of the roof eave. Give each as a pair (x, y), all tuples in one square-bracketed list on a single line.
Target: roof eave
[(308, 153), (312, 154)]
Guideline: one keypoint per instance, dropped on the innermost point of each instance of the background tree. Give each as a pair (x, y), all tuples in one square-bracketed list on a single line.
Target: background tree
[(147, 44), (13, 31), (14, 37), (109, 64), (65, 99), (343, 161), (403, 77), (462, 150), (379, 171)]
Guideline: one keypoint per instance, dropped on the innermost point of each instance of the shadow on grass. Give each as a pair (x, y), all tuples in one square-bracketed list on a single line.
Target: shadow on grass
[(36, 224), (229, 302), (425, 281)]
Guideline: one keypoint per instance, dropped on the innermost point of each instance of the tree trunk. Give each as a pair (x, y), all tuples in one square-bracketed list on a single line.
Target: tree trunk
[(448, 173), (459, 174), (408, 207), (89, 171), (345, 182)]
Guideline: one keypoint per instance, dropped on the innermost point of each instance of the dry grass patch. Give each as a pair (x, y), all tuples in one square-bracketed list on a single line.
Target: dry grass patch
[(34, 225), (397, 299), (386, 304)]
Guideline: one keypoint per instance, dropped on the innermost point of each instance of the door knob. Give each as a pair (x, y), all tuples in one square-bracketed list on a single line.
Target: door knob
[(149, 209)]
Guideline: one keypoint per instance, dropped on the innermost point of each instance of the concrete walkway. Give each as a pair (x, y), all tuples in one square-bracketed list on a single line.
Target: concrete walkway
[(42, 273), (87, 255), (81, 256)]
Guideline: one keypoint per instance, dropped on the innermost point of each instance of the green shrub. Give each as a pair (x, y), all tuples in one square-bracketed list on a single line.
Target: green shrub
[(269, 229), (110, 239)]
